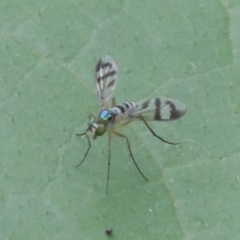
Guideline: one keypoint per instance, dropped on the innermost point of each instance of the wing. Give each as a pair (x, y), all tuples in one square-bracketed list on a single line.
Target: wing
[(106, 80), (160, 109), (155, 109)]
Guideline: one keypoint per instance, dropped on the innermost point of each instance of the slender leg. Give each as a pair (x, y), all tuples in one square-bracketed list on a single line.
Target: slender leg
[(154, 134), (81, 134), (85, 133), (109, 160), (130, 151), (89, 146)]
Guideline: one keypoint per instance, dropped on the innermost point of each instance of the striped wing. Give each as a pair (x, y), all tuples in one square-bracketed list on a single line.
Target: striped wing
[(160, 109), (155, 109), (106, 80)]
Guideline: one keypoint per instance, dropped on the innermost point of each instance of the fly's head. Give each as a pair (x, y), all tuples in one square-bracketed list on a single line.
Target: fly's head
[(99, 126)]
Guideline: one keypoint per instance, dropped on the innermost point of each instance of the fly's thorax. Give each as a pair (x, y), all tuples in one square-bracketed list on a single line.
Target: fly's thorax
[(106, 116)]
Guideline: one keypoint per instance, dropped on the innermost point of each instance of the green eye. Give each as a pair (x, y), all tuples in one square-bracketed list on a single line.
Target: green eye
[(101, 129)]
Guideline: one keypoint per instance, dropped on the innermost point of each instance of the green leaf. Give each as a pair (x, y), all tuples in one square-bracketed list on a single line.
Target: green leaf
[(188, 50)]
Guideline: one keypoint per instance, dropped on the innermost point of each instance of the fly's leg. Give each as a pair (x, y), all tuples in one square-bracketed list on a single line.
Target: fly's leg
[(153, 133), (89, 146), (109, 160), (89, 143), (130, 152)]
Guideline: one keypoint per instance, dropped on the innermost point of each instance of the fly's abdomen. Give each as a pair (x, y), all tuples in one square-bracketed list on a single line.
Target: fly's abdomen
[(124, 110)]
